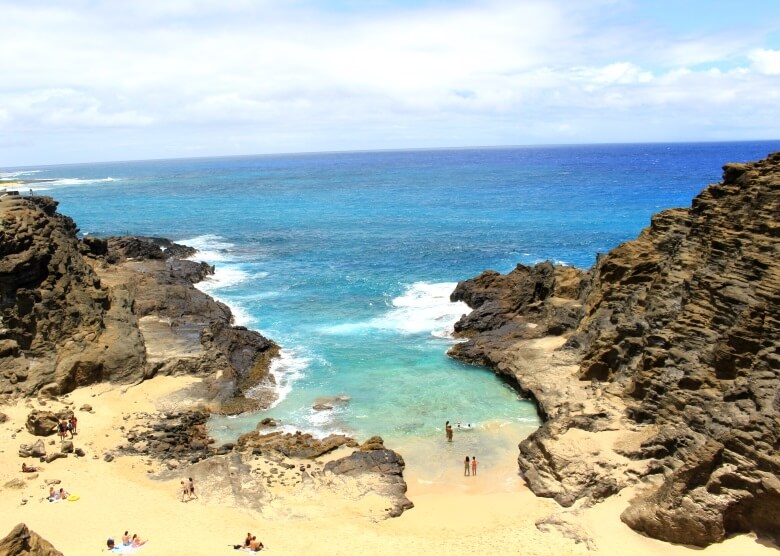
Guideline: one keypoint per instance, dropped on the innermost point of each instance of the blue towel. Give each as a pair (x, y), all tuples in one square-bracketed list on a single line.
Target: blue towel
[(121, 549)]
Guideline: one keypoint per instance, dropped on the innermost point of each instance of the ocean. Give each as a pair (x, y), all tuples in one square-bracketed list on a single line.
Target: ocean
[(347, 261)]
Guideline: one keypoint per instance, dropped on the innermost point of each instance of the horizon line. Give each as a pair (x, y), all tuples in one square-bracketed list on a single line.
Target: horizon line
[(389, 150)]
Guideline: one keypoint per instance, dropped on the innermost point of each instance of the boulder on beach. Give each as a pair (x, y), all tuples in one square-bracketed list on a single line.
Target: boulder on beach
[(42, 423), (21, 541)]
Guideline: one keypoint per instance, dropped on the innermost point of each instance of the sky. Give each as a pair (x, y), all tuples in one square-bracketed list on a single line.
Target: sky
[(100, 80)]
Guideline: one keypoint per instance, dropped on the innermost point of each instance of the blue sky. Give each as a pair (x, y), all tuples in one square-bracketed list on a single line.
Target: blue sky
[(91, 80)]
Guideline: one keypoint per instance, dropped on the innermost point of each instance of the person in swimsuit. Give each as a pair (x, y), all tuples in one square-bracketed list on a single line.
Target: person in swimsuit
[(191, 488), (474, 466), (136, 541), (255, 545), (467, 467), (448, 430), (126, 539)]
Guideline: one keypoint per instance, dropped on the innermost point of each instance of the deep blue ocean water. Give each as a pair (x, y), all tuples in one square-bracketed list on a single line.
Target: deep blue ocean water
[(347, 259)]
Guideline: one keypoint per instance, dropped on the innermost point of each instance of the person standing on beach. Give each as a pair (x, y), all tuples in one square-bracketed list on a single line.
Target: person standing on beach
[(191, 488), (448, 431), (467, 468), (185, 490), (73, 422), (474, 466)]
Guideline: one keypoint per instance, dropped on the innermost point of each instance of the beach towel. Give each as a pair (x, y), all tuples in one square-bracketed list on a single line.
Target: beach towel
[(122, 549)]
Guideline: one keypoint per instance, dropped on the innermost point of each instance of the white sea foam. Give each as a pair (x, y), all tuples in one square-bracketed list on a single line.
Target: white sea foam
[(225, 276), (214, 250), (423, 307), (79, 181), (20, 173), (287, 369), (211, 248)]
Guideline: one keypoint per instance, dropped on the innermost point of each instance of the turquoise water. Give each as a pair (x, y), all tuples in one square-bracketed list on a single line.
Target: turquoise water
[(347, 259)]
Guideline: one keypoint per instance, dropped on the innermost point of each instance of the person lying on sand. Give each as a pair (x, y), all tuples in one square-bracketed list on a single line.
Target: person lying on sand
[(247, 542), (255, 545), (30, 468)]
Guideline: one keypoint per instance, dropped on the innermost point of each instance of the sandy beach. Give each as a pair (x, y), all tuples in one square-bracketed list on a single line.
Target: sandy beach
[(493, 513)]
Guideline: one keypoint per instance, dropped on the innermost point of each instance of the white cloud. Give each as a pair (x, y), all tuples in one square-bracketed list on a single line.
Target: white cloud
[(215, 77), (765, 61)]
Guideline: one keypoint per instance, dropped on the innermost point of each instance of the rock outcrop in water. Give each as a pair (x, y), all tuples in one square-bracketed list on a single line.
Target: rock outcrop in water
[(76, 312), (659, 367)]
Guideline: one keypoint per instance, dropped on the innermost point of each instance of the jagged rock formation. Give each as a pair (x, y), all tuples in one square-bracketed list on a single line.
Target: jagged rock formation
[(180, 437), (60, 326), (117, 309), (298, 445), (230, 473), (668, 370), (374, 458), (23, 542)]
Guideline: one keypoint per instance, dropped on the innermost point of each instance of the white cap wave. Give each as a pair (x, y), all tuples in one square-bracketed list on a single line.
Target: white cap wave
[(422, 307), (214, 250)]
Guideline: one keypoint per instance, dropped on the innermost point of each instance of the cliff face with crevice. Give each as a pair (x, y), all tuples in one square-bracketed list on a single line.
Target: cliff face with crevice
[(76, 312), (668, 372)]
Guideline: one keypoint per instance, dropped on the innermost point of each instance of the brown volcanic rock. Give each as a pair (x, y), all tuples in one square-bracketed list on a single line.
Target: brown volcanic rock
[(60, 326), (42, 423), (385, 464), (121, 309), (298, 445), (678, 345), (21, 541), (529, 302)]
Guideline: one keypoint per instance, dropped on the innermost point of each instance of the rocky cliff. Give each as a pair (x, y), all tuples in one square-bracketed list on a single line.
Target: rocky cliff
[(76, 312), (658, 368)]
